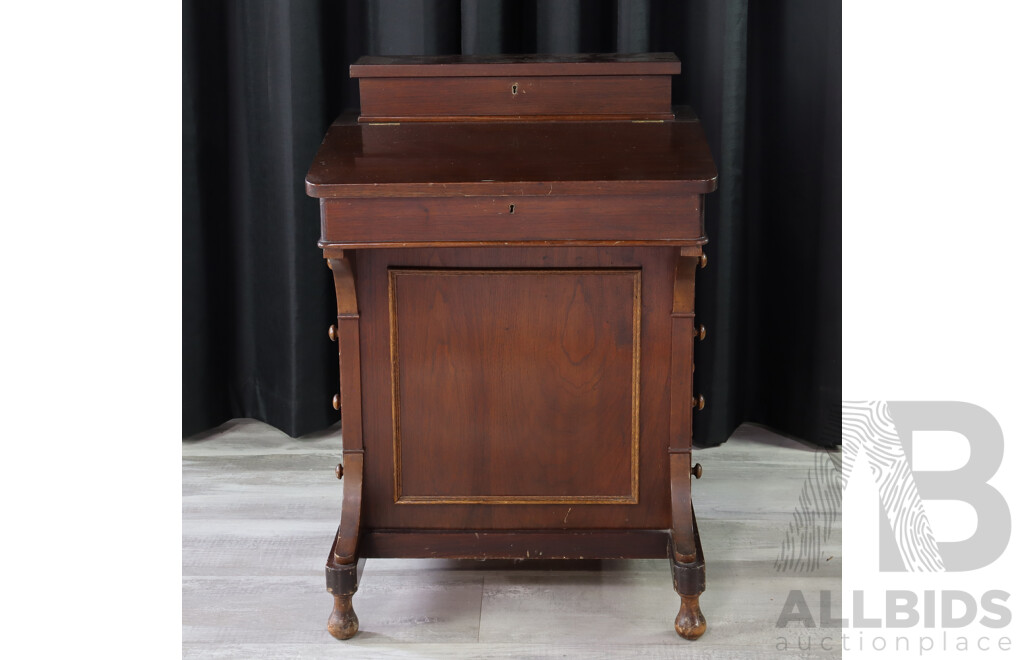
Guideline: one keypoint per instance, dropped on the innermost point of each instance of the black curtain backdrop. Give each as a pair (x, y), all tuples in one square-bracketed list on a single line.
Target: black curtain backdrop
[(262, 81)]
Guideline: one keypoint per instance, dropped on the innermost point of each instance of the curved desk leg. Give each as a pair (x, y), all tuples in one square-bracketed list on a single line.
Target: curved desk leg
[(685, 553), (342, 583), (343, 622), (688, 581), (343, 564)]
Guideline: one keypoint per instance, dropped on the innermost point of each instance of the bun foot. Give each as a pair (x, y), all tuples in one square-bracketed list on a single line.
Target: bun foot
[(344, 623), (690, 623)]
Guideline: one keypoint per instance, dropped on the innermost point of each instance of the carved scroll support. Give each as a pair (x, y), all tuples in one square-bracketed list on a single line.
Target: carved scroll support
[(686, 556), (343, 564)]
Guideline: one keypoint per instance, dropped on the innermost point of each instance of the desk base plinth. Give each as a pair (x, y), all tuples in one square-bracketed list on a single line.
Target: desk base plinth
[(688, 579)]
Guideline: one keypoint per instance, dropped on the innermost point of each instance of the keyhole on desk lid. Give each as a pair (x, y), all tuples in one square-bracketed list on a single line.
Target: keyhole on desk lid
[(515, 88), (511, 208)]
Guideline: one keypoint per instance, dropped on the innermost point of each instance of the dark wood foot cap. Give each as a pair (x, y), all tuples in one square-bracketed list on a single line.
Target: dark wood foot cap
[(690, 623), (343, 623)]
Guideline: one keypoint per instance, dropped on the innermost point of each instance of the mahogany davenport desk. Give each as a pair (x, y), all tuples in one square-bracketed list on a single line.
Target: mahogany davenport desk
[(514, 243)]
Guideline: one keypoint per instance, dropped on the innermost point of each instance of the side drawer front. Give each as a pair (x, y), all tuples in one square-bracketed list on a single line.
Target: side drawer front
[(431, 220)]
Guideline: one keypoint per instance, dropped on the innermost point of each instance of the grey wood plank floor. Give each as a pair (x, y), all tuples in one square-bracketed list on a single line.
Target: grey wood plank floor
[(259, 510)]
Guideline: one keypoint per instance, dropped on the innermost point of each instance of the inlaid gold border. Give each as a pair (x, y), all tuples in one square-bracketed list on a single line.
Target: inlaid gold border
[(632, 498)]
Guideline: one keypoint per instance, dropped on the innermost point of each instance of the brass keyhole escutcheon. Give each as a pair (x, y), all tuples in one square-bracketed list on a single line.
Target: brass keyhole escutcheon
[(515, 88)]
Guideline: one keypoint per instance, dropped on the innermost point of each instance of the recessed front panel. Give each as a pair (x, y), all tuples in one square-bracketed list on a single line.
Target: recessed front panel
[(400, 291), (515, 386)]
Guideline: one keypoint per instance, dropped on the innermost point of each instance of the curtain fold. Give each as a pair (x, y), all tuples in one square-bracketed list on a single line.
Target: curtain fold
[(632, 26), (262, 80), (483, 26)]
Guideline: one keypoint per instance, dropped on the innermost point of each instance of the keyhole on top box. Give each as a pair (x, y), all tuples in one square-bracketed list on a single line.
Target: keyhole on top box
[(511, 208), (515, 88)]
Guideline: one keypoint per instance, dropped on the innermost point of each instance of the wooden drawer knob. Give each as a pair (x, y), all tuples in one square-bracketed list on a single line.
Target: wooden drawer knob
[(339, 471), (698, 403), (700, 332), (703, 263), (336, 402), (332, 332), (696, 470)]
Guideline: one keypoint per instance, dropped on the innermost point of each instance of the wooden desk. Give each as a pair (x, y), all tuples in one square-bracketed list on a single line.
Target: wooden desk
[(514, 243)]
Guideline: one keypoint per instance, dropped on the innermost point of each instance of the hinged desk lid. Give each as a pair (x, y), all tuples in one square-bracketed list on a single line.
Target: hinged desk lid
[(513, 150), (456, 126), (454, 159)]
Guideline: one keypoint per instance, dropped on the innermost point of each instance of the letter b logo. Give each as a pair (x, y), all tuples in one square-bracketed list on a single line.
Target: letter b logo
[(882, 432)]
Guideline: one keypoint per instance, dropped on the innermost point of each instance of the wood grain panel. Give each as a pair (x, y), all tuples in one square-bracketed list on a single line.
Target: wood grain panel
[(652, 510), (515, 386), (353, 222), (517, 96), (537, 158)]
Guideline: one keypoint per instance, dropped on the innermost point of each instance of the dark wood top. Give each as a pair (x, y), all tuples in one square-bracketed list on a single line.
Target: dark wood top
[(451, 159), (600, 64)]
